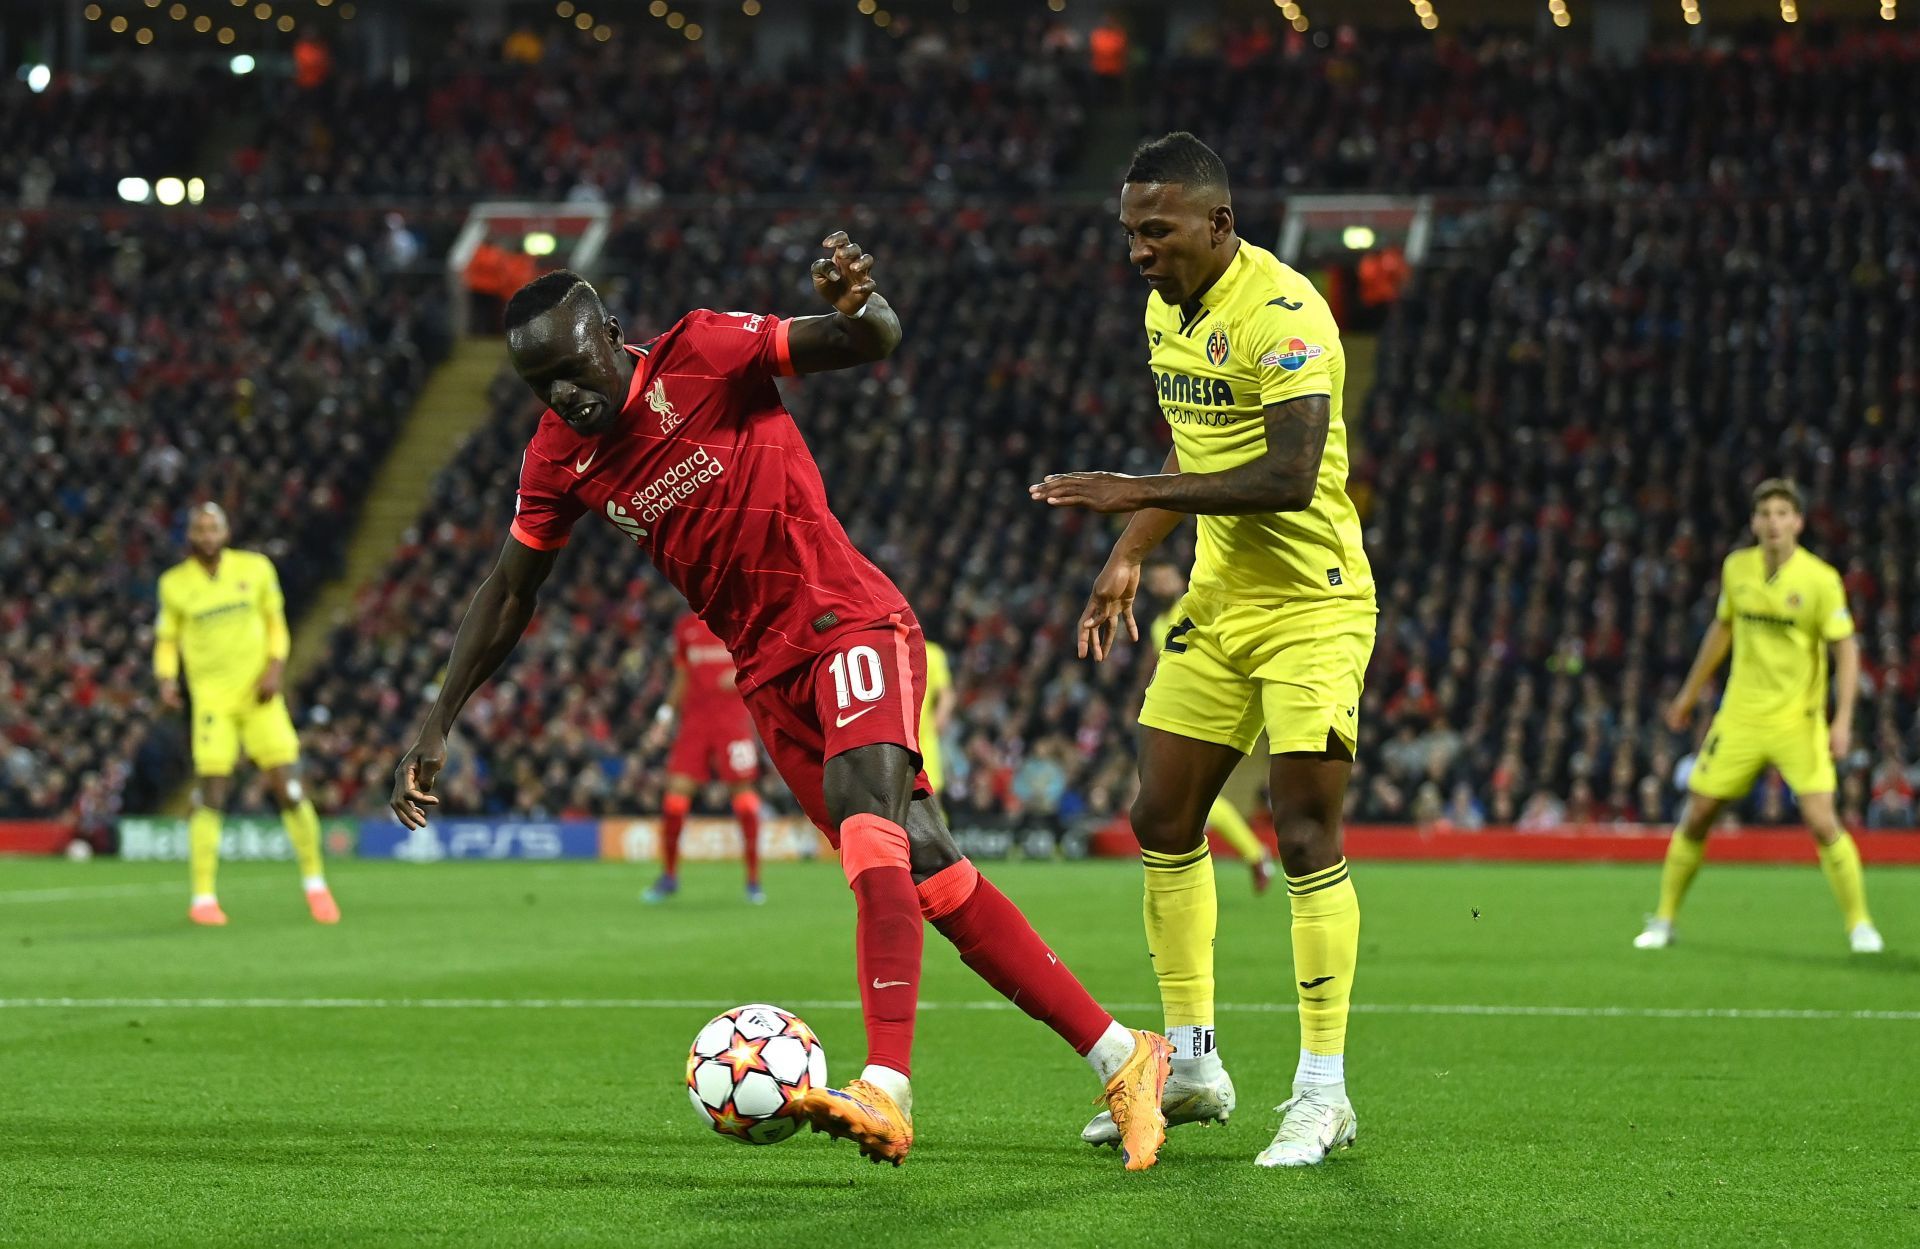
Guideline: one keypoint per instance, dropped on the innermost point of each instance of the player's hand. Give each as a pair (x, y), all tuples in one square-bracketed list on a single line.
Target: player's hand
[(170, 694), (269, 683), (1099, 492), (413, 781), (1110, 603), (846, 280), (1679, 715), (1841, 739)]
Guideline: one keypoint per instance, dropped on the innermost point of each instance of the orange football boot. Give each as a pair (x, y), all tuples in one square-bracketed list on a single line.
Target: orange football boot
[(208, 913), (1133, 1098), (863, 1113), (325, 909)]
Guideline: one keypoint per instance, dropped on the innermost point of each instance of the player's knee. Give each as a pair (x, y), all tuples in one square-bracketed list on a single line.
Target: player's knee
[(1163, 828), (1307, 842)]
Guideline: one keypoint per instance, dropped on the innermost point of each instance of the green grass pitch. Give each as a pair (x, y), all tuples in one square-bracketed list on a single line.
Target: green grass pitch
[(1633, 1116)]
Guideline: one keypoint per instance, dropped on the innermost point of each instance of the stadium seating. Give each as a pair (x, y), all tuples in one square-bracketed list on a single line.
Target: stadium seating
[(1546, 524), (1570, 414), (1003, 107), (1497, 112), (1574, 396), (147, 363)]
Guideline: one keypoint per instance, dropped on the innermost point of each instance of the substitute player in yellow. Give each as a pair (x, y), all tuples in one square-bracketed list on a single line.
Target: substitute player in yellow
[(221, 611), (936, 713), (1275, 630), (1781, 609)]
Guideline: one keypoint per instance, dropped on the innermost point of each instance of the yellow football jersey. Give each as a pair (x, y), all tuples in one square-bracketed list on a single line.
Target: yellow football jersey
[(227, 624), (1781, 627), (939, 677), (1261, 335)]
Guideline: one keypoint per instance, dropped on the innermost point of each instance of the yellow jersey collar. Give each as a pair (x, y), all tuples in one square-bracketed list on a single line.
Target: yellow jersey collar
[(1220, 291)]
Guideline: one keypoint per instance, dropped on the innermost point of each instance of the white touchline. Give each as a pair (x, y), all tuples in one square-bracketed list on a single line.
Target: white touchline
[(622, 1003), (21, 896)]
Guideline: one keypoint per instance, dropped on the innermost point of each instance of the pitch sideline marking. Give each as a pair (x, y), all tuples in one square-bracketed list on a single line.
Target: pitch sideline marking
[(1282, 1008), (16, 897)]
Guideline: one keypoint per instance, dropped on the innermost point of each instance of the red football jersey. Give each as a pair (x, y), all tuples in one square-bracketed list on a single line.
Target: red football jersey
[(709, 667), (705, 470)]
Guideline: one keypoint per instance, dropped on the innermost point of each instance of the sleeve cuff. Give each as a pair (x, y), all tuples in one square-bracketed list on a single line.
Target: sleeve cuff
[(1267, 400), (527, 537), (782, 353)]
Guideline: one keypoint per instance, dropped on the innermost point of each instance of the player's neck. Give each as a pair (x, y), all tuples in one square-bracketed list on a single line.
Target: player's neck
[(1226, 263), (1775, 562), (209, 562), (629, 364)]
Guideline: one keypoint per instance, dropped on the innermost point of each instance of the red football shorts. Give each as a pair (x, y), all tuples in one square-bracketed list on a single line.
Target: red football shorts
[(866, 691), (708, 747)]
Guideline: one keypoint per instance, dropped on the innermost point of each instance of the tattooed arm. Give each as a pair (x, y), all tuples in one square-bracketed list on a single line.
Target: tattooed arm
[(1281, 480)]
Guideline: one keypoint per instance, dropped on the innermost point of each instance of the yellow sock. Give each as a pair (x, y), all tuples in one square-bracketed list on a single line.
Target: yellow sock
[(1684, 856), (1326, 946), (1182, 914), (1225, 819), (1841, 863), (203, 850), (303, 830)]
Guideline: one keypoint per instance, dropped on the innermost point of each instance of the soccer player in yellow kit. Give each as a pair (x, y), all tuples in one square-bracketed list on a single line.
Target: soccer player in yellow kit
[(221, 611), (1781, 608), (1275, 631), (936, 712)]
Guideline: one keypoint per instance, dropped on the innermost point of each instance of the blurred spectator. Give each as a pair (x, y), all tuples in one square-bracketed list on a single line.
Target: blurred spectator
[(146, 364)]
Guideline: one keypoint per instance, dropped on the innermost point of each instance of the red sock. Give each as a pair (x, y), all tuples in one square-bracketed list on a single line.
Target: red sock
[(887, 937), (746, 808), (673, 817), (996, 940)]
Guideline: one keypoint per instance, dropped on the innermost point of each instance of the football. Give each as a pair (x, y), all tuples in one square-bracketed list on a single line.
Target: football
[(744, 1067)]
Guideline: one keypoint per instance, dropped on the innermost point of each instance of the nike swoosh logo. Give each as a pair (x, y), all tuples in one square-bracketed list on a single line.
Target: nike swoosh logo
[(581, 467), (1314, 984), (889, 984), (841, 722)]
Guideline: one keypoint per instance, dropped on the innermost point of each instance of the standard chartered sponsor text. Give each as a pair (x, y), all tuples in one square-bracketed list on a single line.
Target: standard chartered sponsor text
[(676, 485)]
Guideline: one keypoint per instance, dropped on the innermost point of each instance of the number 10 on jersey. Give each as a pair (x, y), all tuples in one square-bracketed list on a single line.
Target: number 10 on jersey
[(858, 676)]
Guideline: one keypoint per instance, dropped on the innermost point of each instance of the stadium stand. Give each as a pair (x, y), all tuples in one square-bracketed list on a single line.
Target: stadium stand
[(1552, 431), (1569, 415), (147, 363)]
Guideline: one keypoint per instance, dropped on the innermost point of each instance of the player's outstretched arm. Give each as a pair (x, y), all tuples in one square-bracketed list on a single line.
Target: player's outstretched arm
[(1282, 479), (1114, 590), (1713, 652), (862, 328), (488, 633)]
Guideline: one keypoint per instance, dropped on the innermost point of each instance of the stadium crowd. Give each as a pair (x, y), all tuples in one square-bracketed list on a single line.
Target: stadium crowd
[(1554, 461), (992, 106), (147, 363), (1573, 397), (1569, 415)]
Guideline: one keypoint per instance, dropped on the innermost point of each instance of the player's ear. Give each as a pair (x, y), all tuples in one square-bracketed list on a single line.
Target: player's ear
[(1222, 221), (613, 331)]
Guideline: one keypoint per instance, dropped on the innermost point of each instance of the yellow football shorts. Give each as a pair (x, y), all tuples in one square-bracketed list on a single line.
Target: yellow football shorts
[(1296, 669), (1736, 751), (264, 730)]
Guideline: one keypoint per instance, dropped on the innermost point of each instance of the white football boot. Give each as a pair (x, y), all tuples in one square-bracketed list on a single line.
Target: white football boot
[(1184, 1100), (1865, 939), (1657, 935), (1314, 1122)]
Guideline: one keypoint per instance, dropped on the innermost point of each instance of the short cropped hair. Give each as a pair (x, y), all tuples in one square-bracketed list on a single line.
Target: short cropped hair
[(1178, 158), (544, 294), (1780, 488)]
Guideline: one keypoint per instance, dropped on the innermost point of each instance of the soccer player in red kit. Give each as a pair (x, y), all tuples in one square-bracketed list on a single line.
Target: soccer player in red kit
[(714, 739), (683, 445)]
